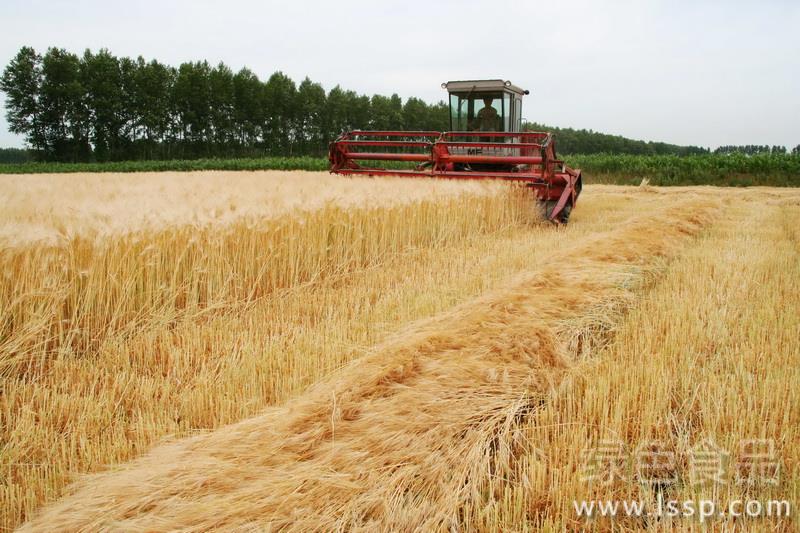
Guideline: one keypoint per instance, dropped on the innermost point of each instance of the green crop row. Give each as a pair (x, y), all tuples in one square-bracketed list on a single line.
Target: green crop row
[(709, 169), (186, 165)]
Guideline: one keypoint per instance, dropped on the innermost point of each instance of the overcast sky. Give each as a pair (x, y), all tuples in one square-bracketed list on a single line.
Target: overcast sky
[(689, 72)]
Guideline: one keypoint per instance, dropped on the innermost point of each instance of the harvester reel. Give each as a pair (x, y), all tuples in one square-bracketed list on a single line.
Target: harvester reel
[(523, 157)]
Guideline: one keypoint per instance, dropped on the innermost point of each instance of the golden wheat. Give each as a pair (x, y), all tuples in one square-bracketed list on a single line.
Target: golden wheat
[(109, 344), (710, 355), (93, 369), (49, 208), (399, 439)]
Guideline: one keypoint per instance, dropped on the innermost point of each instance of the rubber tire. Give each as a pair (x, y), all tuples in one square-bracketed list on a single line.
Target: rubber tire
[(563, 217)]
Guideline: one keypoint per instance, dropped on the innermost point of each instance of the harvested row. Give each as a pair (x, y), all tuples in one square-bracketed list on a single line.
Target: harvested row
[(707, 362), (408, 436)]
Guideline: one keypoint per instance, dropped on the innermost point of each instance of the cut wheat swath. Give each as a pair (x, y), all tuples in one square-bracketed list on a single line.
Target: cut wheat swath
[(709, 355)]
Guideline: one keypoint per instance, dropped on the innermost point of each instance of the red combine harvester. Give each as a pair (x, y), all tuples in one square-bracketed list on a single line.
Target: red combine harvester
[(485, 142)]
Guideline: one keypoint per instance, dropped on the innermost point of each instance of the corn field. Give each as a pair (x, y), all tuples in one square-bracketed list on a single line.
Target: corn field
[(782, 170)]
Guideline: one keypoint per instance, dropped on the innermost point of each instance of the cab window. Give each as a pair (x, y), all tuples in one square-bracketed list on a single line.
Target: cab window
[(480, 112)]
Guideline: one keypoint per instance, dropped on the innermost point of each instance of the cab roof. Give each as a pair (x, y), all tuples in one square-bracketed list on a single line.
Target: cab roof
[(482, 86)]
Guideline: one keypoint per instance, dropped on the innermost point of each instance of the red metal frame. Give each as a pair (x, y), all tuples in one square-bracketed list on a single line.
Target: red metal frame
[(528, 157)]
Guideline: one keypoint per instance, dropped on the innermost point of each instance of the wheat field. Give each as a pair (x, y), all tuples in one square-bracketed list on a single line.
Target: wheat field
[(293, 351), (50, 208)]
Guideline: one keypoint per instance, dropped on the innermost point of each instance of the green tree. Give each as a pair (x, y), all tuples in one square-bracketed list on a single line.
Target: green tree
[(279, 107), (438, 117), (335, 118), (415, 114), (64, 113), (22, 81), (572, 141), (101, 77), (105, 107), (346, 111), (15, 156), (222, 104), (151, 100), (309, 118), (386, 113), (396, 113), (129, 112), (191, 97), (359, 110), (248, 114)]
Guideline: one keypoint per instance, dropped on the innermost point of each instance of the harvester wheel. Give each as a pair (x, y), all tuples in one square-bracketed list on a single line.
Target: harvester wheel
[(563, 216)]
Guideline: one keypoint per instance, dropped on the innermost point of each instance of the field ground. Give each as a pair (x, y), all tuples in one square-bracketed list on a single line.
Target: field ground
[(385, 358)]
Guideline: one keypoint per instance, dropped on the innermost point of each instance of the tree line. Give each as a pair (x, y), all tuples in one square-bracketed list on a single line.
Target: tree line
[(14, 156), (99, 107), (752, 149), (572, 141)]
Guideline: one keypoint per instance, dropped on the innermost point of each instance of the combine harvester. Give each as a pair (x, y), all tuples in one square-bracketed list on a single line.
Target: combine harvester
[(485, 142)]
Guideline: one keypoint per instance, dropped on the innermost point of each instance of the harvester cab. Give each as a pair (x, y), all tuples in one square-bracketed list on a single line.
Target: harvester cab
[(485, 141), (474, 103)]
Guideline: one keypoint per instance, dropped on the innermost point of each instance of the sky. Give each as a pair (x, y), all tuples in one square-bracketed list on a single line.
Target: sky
[(705, 73)]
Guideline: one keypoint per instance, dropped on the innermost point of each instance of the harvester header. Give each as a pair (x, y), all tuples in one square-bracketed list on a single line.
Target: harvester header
[(485, 142)]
